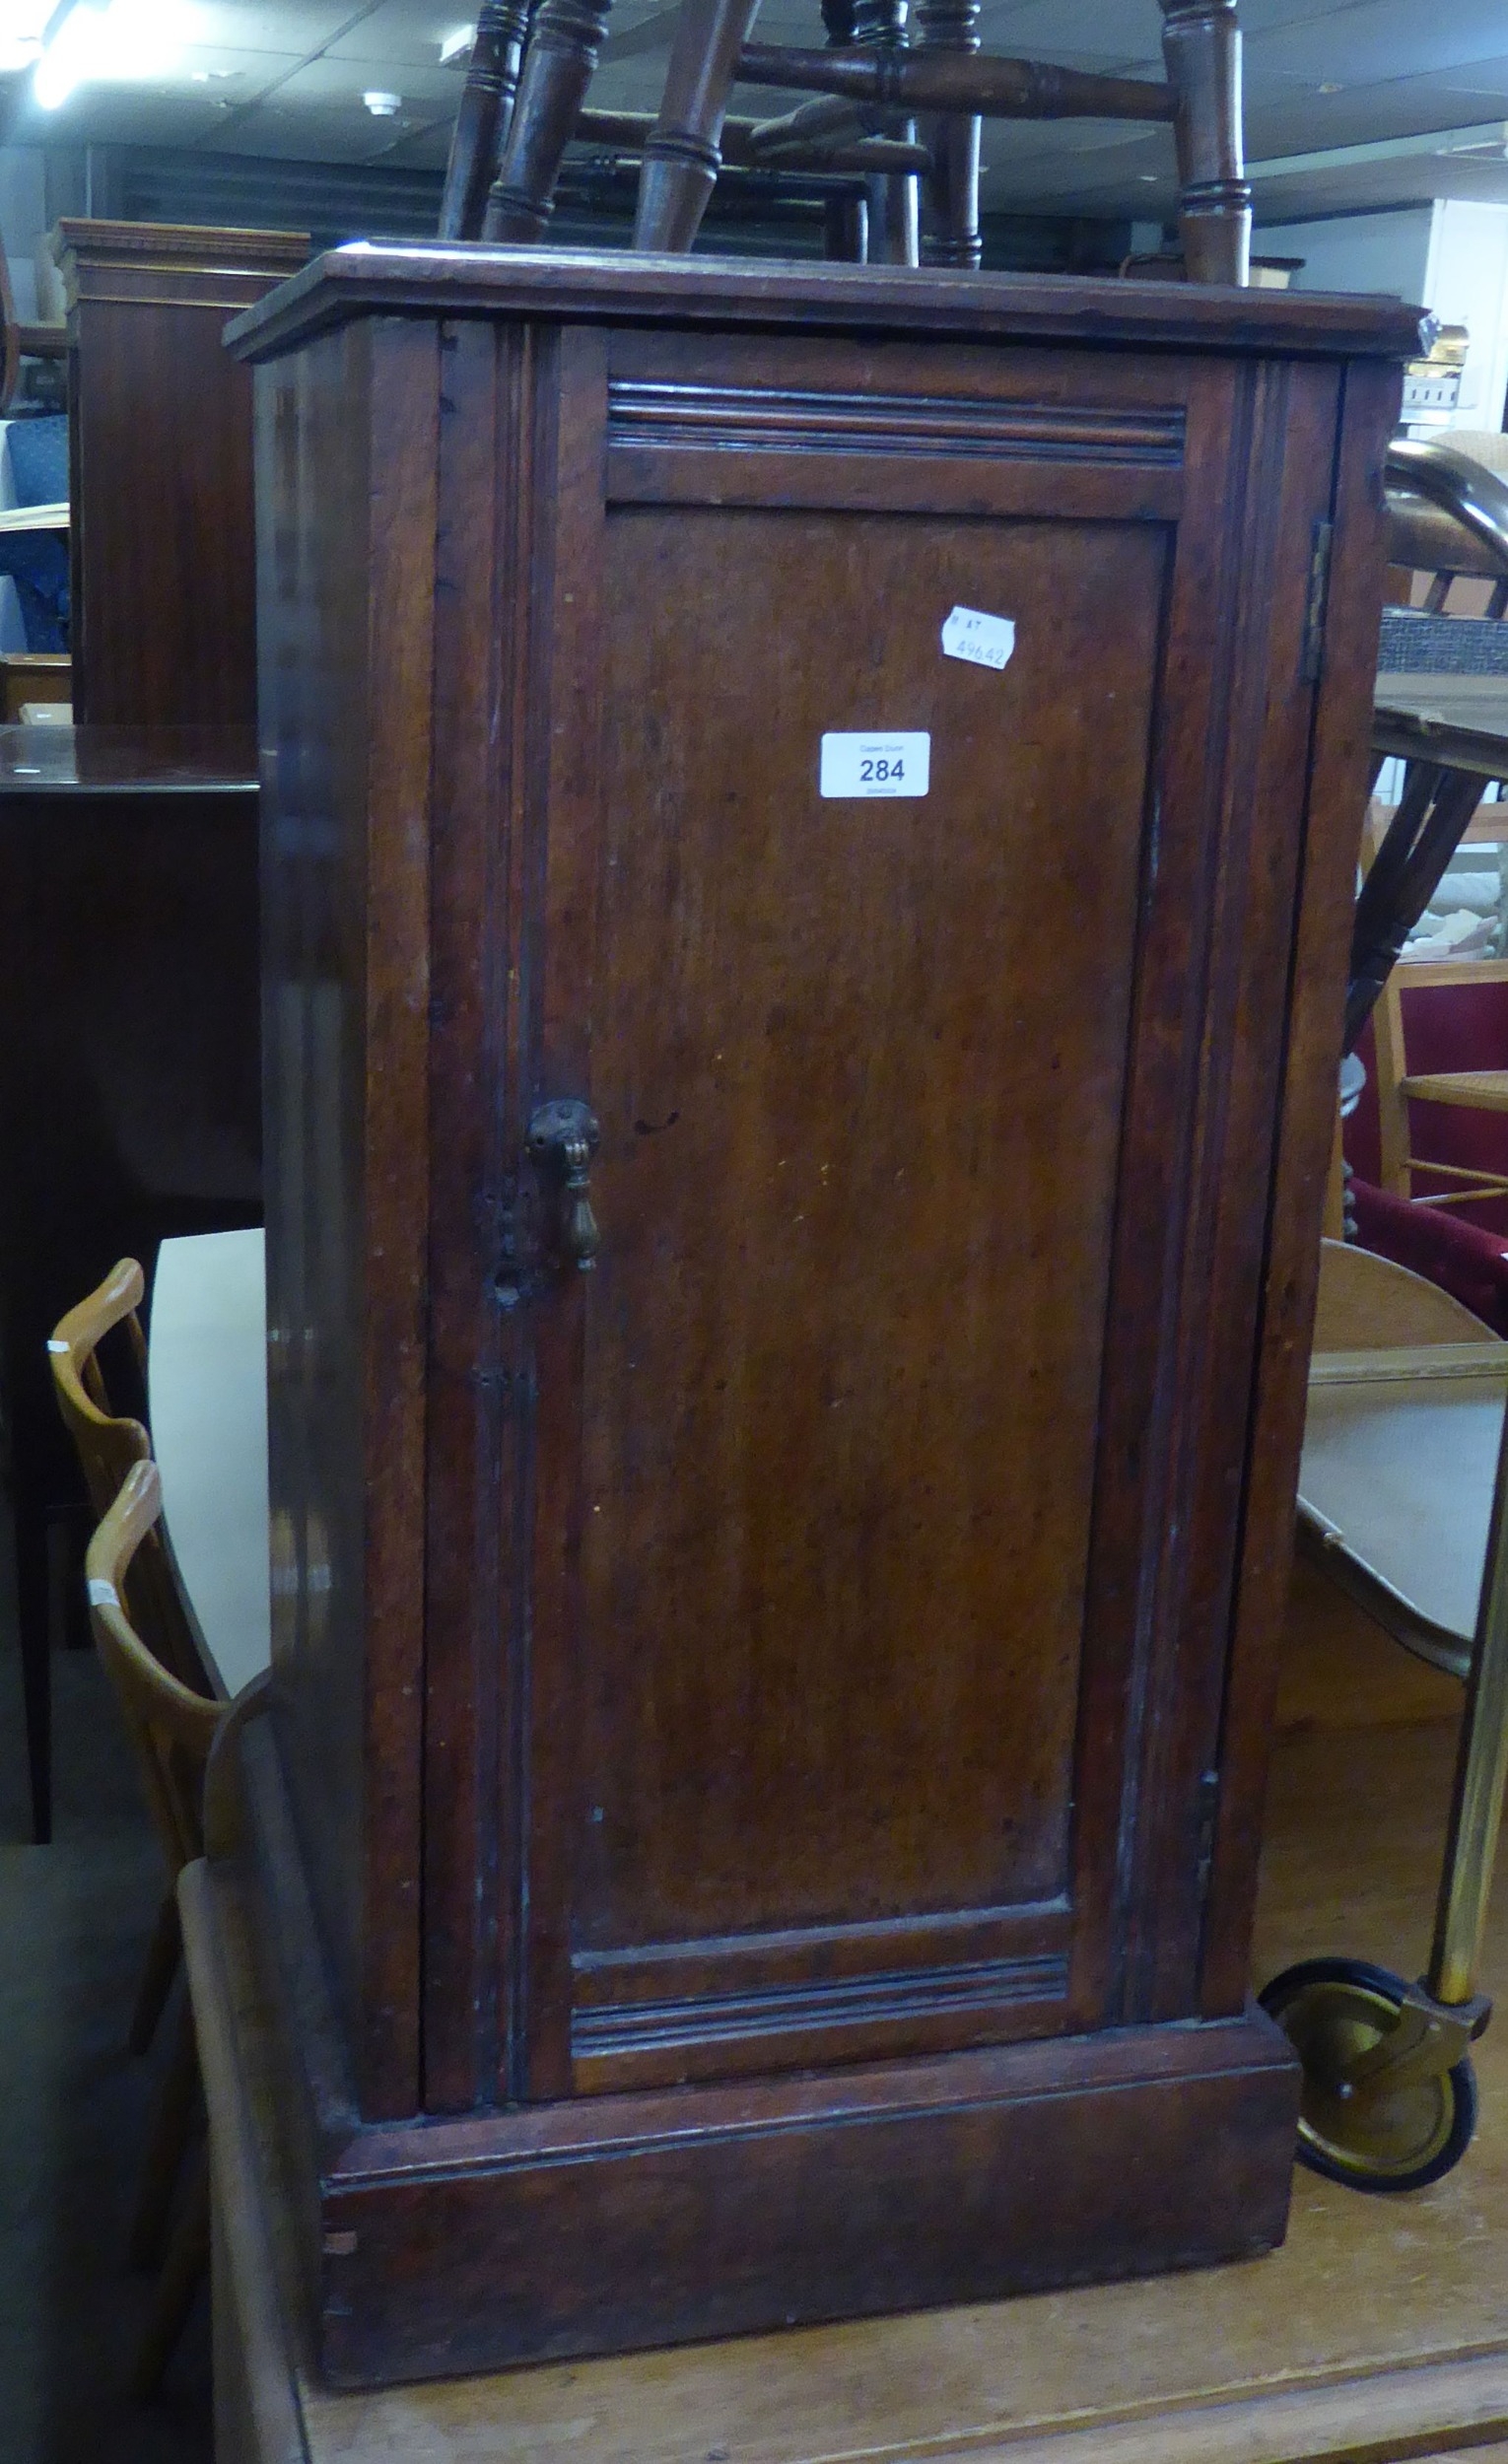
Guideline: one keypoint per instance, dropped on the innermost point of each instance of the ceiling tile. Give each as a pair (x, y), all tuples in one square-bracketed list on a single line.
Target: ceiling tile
[(336, 79), (297, 27), (403, 34), (294, 71)]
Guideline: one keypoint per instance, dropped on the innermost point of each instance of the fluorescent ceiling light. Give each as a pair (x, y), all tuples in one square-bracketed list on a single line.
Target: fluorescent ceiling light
[(109, 42), (23, 30), (456, 45)]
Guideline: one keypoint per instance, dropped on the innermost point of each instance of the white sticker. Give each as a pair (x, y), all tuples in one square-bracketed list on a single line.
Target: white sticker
[(874, 765), (986, 640), (55, 1344), (102, 1594)]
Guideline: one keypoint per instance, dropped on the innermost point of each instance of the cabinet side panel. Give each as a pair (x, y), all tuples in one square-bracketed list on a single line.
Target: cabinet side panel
[(165, 608), (486, 705), (346, 592), (1326, 894), (1273, 456), (311, 486), (400, 549)]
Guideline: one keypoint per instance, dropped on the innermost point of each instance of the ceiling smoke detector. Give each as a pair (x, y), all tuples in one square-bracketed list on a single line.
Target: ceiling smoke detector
[(383, 106)]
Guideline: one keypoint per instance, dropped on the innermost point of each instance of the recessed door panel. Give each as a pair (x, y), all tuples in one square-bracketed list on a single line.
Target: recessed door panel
[(858, 1060)]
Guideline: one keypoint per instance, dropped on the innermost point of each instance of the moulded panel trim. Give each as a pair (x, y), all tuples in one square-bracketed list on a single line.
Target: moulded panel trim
[(781, 419), (896, 2011)]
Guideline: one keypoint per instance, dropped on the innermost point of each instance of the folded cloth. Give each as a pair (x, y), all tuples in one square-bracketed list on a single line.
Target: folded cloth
[(1457, 935)]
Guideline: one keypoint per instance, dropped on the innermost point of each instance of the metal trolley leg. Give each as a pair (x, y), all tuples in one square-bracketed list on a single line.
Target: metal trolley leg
[(1389, 2095)]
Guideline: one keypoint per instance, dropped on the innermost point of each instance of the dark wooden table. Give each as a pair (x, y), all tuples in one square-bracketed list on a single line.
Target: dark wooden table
[(129, 1068), (1459, 722), (1453, 733)]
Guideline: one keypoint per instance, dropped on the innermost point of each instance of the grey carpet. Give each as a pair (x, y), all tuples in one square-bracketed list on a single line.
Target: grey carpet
[(74, 1921)]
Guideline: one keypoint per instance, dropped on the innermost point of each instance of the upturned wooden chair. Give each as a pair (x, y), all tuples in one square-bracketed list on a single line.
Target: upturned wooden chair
[(480, 125), (173, 1728), (878, 81), (110, 1447), (483, 122)]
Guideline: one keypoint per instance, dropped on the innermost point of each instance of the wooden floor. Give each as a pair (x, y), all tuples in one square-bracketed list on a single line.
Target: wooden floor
[(1379, 2331)]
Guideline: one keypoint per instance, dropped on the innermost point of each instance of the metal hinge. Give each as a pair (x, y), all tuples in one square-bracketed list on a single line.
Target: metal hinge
[(1207, 1803), (1314, 604)]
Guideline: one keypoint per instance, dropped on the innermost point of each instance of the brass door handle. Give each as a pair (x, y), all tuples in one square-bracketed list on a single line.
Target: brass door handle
[(563, 1136)]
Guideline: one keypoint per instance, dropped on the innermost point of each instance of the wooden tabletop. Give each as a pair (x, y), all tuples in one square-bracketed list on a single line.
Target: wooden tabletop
[(207, 1380), (84, 761), (1458, 720)]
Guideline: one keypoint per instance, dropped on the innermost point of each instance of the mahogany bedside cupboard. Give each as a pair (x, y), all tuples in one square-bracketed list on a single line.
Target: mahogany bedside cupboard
[(795, 1153)]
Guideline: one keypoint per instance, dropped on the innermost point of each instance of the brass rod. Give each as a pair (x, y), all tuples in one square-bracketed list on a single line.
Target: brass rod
[(1481, 1771)]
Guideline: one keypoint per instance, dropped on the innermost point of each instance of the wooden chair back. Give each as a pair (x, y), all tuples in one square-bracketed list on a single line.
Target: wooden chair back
[(1448, 515), (111, 1445), (172, 1726), (108, 1443)]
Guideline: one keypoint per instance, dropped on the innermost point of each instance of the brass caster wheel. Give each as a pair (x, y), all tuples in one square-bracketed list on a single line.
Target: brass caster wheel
[(1390, 2131)]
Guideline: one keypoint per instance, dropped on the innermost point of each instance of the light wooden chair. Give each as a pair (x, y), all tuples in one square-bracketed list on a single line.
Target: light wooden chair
[(109, 1446), (107, 1443), (173, 1728), (1472, 1090)]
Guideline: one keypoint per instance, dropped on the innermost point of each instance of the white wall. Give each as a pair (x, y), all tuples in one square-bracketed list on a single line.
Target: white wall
[(1467, 284), (1356, 252), (1451, 256), (22, 220)]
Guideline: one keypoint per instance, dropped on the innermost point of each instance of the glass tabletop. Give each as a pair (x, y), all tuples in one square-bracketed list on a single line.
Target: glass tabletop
[(124, 761)]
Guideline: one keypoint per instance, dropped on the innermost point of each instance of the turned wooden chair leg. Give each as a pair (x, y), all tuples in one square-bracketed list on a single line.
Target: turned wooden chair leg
[(564, 38), (950, 234), (480, 125), (163, 1952), (1202, 47), (846, 229), (894, 212), (171, 2126), (681, 161), (183, 2270), (894, 198)]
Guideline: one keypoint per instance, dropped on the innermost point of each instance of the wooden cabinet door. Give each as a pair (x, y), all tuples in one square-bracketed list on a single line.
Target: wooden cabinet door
[(839, 1475)]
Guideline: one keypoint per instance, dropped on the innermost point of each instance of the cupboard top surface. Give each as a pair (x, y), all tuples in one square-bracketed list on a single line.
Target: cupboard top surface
[(473, 279)]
